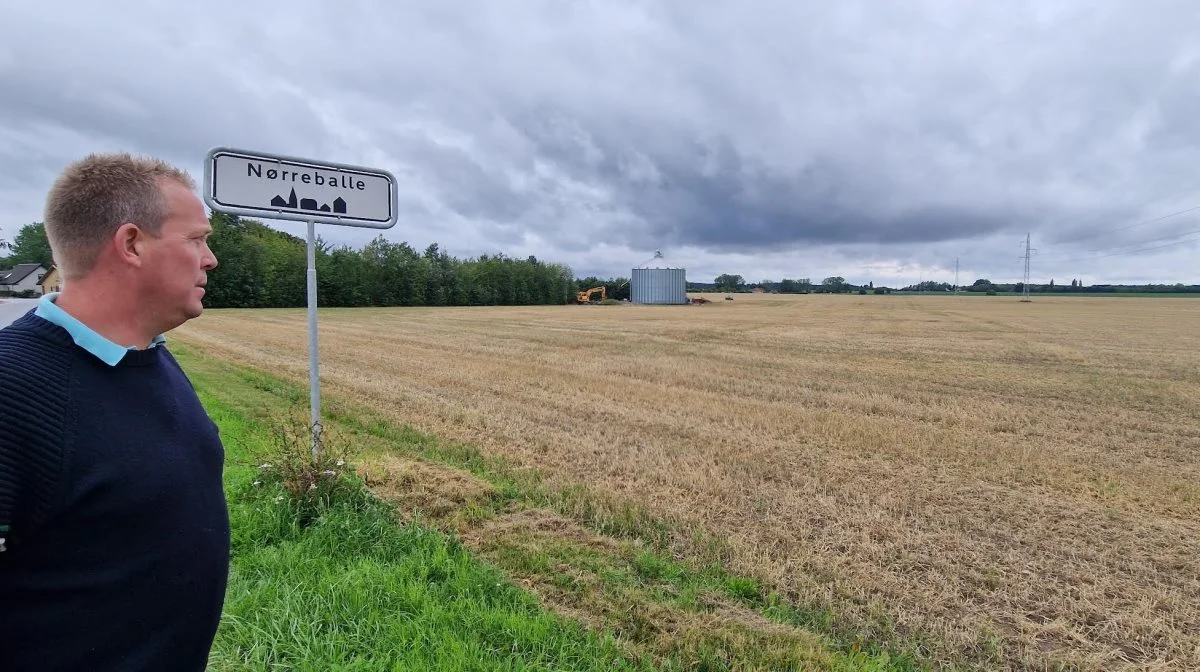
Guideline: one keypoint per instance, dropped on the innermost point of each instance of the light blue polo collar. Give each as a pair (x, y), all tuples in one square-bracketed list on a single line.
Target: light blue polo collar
[(105, 350)]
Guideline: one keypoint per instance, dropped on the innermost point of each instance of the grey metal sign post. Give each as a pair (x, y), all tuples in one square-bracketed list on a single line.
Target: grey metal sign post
[(273, 186)]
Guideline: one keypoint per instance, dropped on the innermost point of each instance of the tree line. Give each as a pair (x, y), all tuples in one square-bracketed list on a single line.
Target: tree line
[(261, 267)]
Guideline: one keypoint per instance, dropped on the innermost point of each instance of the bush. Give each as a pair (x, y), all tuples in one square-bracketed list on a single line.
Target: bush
[(312, 483)]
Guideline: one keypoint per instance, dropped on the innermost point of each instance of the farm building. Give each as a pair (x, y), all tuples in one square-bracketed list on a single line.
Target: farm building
[(657, 282)]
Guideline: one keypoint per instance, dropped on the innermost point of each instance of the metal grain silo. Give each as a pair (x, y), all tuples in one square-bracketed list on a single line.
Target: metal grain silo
[(656, 282)]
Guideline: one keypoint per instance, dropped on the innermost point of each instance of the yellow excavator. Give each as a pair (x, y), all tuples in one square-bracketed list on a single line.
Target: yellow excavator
[(586, 295)]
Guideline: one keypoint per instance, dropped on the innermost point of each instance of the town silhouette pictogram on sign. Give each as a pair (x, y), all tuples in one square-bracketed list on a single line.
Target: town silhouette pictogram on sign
[(339, 204)]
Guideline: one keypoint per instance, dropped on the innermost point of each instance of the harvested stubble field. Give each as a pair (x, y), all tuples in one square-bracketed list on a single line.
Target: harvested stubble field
[(1014, 484)]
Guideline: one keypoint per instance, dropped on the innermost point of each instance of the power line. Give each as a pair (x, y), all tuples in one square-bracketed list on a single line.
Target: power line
[(1136, 224), (1140, 242), (1144, 249)]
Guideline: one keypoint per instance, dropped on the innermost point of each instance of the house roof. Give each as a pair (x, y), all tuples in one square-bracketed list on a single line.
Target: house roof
[(17, 273)]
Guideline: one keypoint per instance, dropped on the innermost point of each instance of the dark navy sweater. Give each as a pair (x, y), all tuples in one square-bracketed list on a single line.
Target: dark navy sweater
[(117, 542)]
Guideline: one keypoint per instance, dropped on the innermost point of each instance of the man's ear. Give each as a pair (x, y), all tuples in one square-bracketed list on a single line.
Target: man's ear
[(130, 244)]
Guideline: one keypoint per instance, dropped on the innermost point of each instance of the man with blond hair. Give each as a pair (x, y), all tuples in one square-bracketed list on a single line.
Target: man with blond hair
[(114, 529)]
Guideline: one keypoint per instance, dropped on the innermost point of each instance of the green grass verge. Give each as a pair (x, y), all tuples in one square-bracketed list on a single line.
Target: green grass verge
[(354, 589), (355, 584)]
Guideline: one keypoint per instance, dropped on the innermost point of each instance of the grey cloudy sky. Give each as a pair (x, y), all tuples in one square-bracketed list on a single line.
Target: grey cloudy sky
[(871, 139)]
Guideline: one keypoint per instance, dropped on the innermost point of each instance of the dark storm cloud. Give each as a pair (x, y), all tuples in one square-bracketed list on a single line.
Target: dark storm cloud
[(463, 185), (692, 191)]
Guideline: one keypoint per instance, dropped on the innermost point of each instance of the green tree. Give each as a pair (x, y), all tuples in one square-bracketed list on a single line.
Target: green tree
[(31, 245), (238, 280), (341, 276), (727, 282), (834, 284), (263, 267), (284, 269)]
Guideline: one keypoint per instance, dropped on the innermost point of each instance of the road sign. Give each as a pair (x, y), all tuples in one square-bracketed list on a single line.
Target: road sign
[(257, 184), (273, 186)]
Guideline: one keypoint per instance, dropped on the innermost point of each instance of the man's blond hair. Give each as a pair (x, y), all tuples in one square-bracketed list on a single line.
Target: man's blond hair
[(96, 195)]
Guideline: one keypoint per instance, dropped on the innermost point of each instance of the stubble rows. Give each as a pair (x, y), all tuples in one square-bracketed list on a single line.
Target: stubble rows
[(986, 472)]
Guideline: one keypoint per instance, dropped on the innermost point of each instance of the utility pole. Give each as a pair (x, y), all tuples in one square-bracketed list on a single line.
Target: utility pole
[(1025, 285), (956, 275)]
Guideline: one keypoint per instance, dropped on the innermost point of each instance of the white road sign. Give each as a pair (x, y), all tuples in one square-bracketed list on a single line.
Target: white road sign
[(272, 186), (281, 187)]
